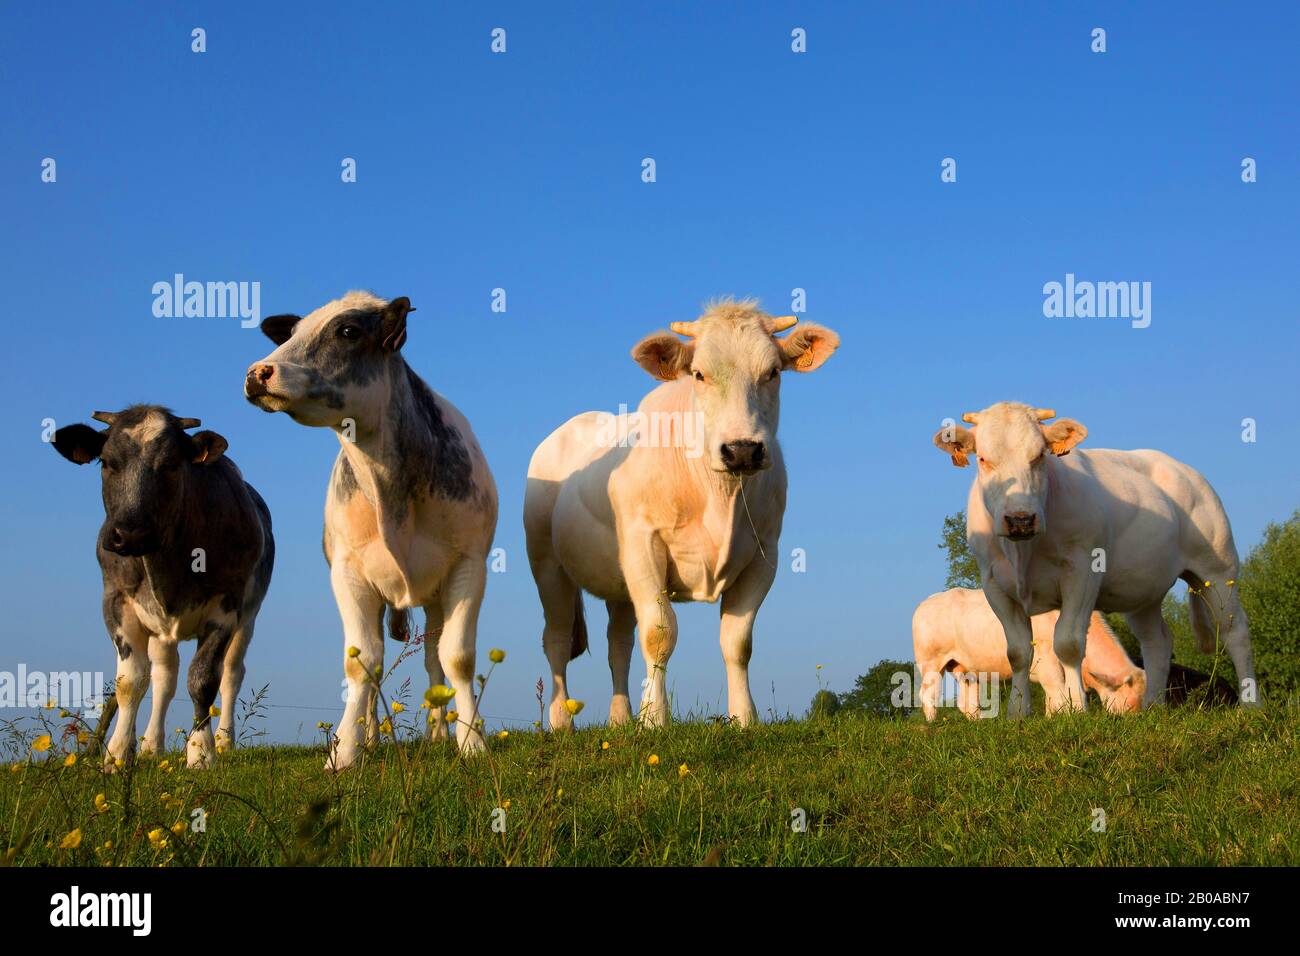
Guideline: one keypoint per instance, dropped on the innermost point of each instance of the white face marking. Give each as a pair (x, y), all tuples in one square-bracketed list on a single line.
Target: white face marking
[(149, 429)]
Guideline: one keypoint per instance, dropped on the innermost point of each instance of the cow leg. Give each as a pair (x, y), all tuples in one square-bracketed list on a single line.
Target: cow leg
[(621, 633), (132, 671), (644, 560), (164, 664), (1050, 675), (1020, 647), (361, 610), (968, 695), (931, 688), (203, 682), (437, 729), (462, 596), (1157, 644), (559, 596), (232, 679), (740, 604), (1070, 638), (1216, 612)]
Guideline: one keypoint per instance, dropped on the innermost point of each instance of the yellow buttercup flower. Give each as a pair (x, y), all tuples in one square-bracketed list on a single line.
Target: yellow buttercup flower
[(398, 707), (101, 803), (604, 745), (214, 711), (439, 695), (386, 727), (496, 655), (452, 716), (41, 743), (683, 770), (72, 840), (158, 838), (503, 735), (354, 652), (653, 760), (69, 760), (574, 707), (178, 828)]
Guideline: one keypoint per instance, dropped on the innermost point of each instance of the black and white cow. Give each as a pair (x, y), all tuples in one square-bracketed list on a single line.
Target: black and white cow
[(411, 507), (186, 551)]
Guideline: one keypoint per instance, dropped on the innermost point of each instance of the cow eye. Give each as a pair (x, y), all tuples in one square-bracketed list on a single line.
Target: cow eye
[(771, 376), (349, 332), (699, 376)]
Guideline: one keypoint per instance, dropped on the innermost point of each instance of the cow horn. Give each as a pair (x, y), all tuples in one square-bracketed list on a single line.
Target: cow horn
[(1043, 414), (188, 422), (106, 417), (688, 329), (971, 418), (782, 322)]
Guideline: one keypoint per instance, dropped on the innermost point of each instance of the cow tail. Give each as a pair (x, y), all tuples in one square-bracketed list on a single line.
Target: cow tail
[(579, 645), (399, 624)]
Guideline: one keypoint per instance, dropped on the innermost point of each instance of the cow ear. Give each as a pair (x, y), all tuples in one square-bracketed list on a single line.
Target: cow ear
[(808, 346), (80, 444), (956, 441), (1064, 434), (394, 323), (664, 356), (208, 447), (278, 328)]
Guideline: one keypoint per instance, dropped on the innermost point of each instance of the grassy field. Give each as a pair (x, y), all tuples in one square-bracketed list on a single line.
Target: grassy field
[(1182, 787)]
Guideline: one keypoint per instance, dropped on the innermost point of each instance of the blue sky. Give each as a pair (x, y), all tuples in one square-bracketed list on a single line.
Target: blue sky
[(775, 170)]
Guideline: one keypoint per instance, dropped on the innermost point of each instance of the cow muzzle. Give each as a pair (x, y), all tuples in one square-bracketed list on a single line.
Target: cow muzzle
[(130, 542), (744, 457), (1020, 525)]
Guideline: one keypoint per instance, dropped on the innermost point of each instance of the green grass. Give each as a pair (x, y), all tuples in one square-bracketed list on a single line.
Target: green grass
[(1177, 787)]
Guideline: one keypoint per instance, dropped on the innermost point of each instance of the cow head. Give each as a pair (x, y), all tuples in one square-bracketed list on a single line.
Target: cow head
[(146, 459), (1012, 447), (735, 361), (1121, 693), (333, 365)]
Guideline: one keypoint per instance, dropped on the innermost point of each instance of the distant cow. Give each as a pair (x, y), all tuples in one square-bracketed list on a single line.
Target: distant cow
[(681, 502), (1196, 687), (411, 506), (957, 632), (186, 551), (1103, 529)]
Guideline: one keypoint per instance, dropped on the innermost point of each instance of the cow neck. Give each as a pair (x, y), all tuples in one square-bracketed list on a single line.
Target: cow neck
[(167, 570), (372, 454), (725, 506)]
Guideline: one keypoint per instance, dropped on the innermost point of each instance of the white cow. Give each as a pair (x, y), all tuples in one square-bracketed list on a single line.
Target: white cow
[(1110, 530), (681, 502), (956, 632), (411, 506)]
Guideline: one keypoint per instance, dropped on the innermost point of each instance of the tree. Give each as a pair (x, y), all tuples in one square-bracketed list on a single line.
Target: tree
[(873, 691), (825, 703), (963, 569), (1270, 593)]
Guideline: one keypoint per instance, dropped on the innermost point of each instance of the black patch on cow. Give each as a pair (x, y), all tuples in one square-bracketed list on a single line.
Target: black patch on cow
[(444, 467), (345, 480), (204, 679)]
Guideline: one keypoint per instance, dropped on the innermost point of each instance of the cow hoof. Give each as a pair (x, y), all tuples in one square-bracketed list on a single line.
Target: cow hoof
[(469, 742)]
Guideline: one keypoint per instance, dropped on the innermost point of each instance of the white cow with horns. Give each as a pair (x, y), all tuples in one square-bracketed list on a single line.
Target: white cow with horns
[(1103, 529), (682, 501)]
